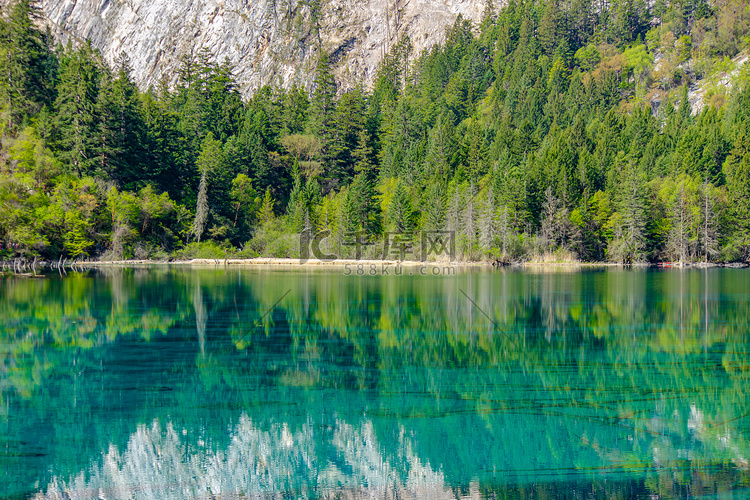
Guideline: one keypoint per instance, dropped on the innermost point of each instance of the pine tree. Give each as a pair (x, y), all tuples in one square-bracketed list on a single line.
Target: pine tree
[(253, 142), (476, 150), (470, 216), (189, 101), (439, 146), (76, 107), (505, 231), (201, 209), (129, 162), (25, 62), (364, 156), (551, 220), (709, 223), (629, 244), (294, 103), (681, 222), (266, 215), (433, 207), (487, 220), (547, 31), (212, 159), (223, 103), (455, 207), (350, 121), (322, 112), (400, 211), (736, 170), (295, 207), (106, 148), (364, 211), (161, 145)]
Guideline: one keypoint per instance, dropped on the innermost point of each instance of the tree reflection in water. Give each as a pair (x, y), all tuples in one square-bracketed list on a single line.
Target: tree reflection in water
[(169, 383)]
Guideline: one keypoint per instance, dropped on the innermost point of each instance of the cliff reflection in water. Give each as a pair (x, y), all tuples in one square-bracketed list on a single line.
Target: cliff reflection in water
[(163, 462), (158, 383), (159, 462)]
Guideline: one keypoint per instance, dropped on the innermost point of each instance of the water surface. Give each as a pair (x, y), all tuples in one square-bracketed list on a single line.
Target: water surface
[(232, 383)]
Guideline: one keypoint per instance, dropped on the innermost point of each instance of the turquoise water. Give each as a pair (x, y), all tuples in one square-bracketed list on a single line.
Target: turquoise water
[(227, 383)]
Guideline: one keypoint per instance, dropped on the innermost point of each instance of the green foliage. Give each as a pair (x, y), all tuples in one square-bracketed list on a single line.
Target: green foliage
[(400, 212), (201, 209), (588, 57), (205, 250), (27, 66), (245, 198), (551, 130)]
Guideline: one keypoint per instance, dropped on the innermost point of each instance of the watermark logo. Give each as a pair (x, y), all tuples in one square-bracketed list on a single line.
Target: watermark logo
[(438, 243), (398, 246), (309, 246)]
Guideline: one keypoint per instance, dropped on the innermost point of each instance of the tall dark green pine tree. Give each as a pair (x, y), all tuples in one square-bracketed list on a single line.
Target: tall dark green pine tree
[(322, 114), (631, 238), (223, 101), (400, 211), (253, 141), (76, 105), (26, 62), (547, 31), (364, 211), (130, 164), (295, 104), (364, 156), (189, 103), (161, 145), (106, 149), (737, 173), (350, 122)]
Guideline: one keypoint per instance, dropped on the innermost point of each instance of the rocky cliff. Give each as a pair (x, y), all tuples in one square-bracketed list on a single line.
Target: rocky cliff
[(268, 41)]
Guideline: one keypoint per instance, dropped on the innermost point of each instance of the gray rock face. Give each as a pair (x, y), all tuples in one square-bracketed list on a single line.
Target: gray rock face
[(268, 41)]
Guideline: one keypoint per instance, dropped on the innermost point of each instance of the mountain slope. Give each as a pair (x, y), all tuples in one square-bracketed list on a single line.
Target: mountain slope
[(268, 40)]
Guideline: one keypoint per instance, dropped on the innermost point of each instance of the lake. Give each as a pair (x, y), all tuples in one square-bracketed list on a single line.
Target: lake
[(166, 382)]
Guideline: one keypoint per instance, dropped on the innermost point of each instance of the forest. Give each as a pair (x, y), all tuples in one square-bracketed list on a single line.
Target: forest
[(552, 131)]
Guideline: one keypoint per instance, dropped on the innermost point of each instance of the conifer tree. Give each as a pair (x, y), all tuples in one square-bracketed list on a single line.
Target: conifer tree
[(76, 107), (681, 224), (364, 156), (201, 209), (709, 226), (26, 62), (737, 173), (322, 111), (547, 31), (470, 216), (438, 157), (350, 116), (106, 146), (455, 208), (266, 214), (400, 211), (126, 124), (365, 215), (629, 244), (550, 230), (433, 207), (487, 220), (505, 231)]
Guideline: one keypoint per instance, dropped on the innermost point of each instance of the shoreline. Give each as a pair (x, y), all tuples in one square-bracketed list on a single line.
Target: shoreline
[(340, 263), (363, 267), (282, 262)]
